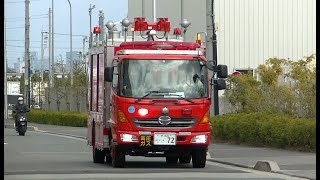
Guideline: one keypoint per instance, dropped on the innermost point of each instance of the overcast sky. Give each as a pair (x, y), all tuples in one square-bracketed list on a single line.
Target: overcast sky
[(15, 11)]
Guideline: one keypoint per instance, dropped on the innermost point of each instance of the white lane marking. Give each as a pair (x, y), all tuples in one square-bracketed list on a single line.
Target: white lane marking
[(58, 135), (266, 174)]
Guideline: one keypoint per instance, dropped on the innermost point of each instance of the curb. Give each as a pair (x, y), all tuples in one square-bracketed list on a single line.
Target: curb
[(256, 167), (267, 166), (229, 163)]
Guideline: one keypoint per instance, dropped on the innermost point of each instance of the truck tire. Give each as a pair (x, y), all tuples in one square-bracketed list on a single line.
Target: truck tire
[(171, 159), (185, 159), (199, 158), (21, 133), (98, 155), (118, 157)]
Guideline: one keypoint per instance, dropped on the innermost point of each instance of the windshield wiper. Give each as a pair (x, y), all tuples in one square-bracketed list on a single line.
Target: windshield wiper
[(150, 92), (189, 100)]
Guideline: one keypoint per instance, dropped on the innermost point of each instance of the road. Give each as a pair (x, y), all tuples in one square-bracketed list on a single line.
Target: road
[(47, 156)]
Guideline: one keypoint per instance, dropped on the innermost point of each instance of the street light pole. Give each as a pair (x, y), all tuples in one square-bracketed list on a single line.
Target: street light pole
[(71, 60)]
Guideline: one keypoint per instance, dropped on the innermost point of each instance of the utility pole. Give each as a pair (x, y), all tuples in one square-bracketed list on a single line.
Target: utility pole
[(49, 59), (211, 51), (42, 49), (50, 50), (52, 59), (5, 72), (71, 58), (101, 24), (154, 10), (90, 10), (83, 52), (43, 46), (27, 54)]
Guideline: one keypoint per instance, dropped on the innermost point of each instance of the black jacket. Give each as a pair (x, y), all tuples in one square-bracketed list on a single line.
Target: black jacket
[(21, 107)]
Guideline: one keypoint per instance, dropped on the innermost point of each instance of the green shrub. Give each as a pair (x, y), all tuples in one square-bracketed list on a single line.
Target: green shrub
[(273, 130), (58, 118), (296, 97)]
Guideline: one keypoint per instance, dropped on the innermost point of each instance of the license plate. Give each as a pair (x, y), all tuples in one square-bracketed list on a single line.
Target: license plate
[(165, 139)]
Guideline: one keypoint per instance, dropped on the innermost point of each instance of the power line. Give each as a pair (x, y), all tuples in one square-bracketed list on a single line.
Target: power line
[(36, 41), (40, 47), (15, 27), (69, 34), (17, 20), (24, 17)]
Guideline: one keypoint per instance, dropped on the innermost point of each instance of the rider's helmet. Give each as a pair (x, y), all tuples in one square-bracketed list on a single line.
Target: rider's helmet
[(20, 100)]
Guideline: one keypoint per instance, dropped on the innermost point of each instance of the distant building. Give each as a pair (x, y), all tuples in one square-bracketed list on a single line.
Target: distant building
[(16, 67), (35, 63)]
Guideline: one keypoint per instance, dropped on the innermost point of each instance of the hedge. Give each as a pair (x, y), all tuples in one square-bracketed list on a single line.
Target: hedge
[(58, 118), (262, 129)]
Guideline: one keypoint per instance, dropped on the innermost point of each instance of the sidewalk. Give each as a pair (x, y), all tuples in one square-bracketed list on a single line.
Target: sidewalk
[(293, 163)]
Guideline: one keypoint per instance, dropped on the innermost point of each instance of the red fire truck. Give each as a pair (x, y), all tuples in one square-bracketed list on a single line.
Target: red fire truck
[(150, 98)]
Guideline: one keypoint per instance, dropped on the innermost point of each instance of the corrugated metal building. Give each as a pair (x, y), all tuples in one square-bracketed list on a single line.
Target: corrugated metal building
[(248, 31)]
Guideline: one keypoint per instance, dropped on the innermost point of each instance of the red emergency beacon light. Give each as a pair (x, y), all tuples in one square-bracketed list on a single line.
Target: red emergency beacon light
[(96, 30), (162, 24), (176, 31)]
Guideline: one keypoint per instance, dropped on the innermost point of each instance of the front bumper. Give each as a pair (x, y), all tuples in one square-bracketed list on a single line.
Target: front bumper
[(182, 138)]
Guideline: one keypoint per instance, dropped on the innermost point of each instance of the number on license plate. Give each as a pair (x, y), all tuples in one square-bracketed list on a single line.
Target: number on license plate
[(165, 139)]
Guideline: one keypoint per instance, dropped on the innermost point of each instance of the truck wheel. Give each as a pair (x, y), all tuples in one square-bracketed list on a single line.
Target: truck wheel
[(108, 156), (98, 155), (199, 158), (185, 159), (118, 157), (171, 159), (21, 133)]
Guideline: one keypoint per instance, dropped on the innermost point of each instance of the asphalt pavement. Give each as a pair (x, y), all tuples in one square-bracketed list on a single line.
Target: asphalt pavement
[(56, 152)]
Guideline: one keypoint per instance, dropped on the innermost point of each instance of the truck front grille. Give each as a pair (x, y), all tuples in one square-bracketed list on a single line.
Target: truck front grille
[(175, 123)]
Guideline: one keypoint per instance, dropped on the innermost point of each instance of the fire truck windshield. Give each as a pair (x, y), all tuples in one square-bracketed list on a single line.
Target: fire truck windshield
[(173, 78)]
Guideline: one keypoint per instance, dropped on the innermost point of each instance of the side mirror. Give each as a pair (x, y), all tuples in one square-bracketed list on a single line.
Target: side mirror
[(222, 71), (108, 73), (221, 84)]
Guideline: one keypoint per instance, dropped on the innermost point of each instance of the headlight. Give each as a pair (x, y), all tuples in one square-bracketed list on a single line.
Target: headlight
[(128, 138), (199, 139), (22, 118)]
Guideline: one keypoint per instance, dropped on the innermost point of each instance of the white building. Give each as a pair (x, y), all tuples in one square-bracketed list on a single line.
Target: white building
[(248, 31)]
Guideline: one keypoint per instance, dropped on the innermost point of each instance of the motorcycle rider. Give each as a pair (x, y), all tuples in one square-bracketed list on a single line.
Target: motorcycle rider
[(20, 107)]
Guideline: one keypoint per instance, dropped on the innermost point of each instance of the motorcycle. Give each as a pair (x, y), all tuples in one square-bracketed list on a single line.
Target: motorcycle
[(21, 126)]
